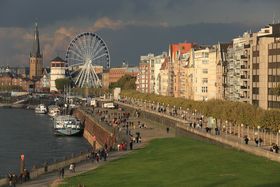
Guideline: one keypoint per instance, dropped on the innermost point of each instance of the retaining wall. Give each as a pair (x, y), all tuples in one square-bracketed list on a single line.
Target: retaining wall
[(34, 173), (93, 128)]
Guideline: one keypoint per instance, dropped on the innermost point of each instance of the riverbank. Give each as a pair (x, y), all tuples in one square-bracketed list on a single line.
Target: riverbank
[(152, 131), (24, 132)]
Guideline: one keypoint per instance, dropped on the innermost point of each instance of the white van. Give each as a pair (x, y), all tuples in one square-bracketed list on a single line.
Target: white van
[(93, 103), (108, 105)]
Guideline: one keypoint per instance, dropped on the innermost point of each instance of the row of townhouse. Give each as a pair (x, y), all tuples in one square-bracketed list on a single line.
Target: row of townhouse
[(245, 69), (9, 79)]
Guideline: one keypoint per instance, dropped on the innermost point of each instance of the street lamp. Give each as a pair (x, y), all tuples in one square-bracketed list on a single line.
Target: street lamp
[(226, 126), (259, 132), (193, 117), (278, 137), (241, 131)]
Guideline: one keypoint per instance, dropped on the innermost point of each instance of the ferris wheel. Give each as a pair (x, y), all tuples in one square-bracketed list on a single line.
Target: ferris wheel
[(87, 53)]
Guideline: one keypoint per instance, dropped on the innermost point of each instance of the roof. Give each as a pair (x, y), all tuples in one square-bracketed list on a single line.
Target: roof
[(57, 59), (36, 44), (133, 69), (164, 64)]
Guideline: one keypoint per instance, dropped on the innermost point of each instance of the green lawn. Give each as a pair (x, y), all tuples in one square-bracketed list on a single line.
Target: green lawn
[(183, 162)]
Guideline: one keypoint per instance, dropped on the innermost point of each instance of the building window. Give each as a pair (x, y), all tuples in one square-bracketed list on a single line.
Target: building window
[(204, 61), (205, 55), (255, 90), (204, 89), (255, 102), (270, 91), (204, 80), (273, 104), (255, 78), (205, 71)]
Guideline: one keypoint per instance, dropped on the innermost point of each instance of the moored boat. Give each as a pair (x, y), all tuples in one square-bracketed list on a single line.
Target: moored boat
[(67, 125), (41, 109), (53, 111)]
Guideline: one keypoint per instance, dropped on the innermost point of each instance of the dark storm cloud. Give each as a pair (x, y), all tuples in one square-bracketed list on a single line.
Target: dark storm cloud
[(130, 27), (135, 41), (24, 12)]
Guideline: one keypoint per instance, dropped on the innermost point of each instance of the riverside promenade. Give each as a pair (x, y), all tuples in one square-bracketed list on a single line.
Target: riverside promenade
[(155, 127), (183, 123), (151, 131)]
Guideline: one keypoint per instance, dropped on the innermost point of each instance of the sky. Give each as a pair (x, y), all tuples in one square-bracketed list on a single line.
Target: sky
[(130, 28)]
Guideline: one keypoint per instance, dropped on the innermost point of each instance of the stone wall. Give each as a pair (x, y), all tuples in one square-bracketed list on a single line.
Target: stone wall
[(93, 128), (34, 173)]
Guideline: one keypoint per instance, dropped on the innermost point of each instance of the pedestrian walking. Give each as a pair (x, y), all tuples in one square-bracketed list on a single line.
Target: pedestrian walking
[(217, 132), (10, 178), (131, 144), (72, 168), (167, 130), (246, 140), (61, 173), (257, 142)]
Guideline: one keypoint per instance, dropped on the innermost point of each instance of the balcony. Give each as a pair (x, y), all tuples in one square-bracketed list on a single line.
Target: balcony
[(244, 67), (244, 56), (244, 77), (244, 87), (247, 46)]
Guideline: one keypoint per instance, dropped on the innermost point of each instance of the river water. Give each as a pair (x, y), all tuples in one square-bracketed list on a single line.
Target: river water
[(23, 131)]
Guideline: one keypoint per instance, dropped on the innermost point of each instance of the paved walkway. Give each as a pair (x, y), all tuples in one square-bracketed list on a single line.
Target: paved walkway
[(52, 179), (154, 130), (225, 135)]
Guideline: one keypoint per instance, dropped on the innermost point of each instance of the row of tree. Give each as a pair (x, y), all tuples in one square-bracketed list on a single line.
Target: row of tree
[(126, 82), (235, 112), (10, 88)]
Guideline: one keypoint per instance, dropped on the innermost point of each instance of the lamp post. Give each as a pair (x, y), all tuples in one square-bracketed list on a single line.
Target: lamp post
[(248, 131), (202, 120), (259, 132), (278, 137), (270, 137), (226, 126), (215, 126), (241, 131), (193, 118), (224, 129)]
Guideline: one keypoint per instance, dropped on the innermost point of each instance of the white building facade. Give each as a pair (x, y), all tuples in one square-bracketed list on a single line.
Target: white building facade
[(57, 72)]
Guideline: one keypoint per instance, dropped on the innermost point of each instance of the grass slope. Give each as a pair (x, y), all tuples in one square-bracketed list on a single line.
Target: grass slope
[(183, 162)]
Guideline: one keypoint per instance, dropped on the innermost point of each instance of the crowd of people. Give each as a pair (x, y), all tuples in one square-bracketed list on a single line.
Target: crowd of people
[(23, 177), (194, 117)]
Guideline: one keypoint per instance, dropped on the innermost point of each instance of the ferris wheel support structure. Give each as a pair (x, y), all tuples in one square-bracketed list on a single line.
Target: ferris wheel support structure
[(87, 52)]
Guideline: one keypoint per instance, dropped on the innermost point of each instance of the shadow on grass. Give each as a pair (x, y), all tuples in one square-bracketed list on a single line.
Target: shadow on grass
[(269, 185)]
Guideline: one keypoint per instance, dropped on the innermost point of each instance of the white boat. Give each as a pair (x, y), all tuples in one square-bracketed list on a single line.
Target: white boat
[(41, 109), (53, 111), (67, 125)]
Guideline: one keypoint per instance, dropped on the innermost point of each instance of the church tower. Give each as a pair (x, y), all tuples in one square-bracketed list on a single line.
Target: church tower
[(36, 58)]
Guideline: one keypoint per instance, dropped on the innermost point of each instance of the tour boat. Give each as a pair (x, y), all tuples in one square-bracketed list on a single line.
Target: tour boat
[(41, 109), (53, 111), (67, 125)]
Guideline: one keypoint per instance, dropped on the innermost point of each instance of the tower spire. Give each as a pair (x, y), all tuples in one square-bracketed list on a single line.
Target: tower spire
[(36, 43)]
